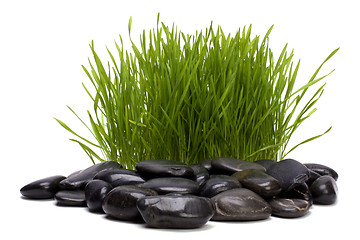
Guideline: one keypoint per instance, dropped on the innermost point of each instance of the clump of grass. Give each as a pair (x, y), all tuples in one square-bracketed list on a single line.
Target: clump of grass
[(191, 97)]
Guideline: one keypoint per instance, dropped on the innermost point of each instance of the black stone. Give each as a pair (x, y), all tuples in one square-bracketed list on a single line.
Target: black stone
[(171, 184), (206, 163), (119, 177), (322, 170), (289, 208), (301, 191), (120, 202), (95, 192), (155, 168), (324, 190), (266, 163), (232, 165), (290, 173), (171, 211), (79, 180), (259, 182), (75, 198), (201, 173), (43, 188), (217, 184), (312, 177), (240, 204)]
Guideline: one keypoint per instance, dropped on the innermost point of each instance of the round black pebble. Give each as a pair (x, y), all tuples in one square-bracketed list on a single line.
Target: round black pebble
[(289, 208), (324, 190), (95, 192)]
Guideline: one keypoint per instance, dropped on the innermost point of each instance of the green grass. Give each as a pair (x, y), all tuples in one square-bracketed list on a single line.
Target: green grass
[(191, 97)]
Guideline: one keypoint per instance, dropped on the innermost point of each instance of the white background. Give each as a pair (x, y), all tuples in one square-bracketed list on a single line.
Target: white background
[(43, 45)]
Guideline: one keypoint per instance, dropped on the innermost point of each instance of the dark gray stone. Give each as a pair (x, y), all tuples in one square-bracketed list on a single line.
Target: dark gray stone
[(217, 184), (74, 198), (322, 170), (95, 192), (324, 190), (240, 204), (290, 173), (232, 165), (155, 168), (171, 184), (43, 188), (80, 179), (119, 177), (301, 191), (175, 211), (266, 163), (120, 202), (289, 208), (201, 174), (259, 182)]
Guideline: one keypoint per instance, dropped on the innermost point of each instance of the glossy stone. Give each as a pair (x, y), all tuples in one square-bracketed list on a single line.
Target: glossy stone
[(217, 184), (119, 177), (322, 170), (232, 165), (206, 163), (186, 211), (240, 204), (290, 173), (44, 188), (266, 163), (95, 192), (155, 168), (79, 180), (259, 182), (171, 184), (289, 208), (324, 190), (120, 202), (201, 174), (312, 177), (74, 198), (301, 191)]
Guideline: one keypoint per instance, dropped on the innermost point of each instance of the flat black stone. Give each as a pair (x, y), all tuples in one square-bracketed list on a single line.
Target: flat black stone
[(217, 184), (240, 204), (43, 188), (119, 177), (232, 165), (80, 179), (201, 173), (75, 198), (171, 184), (155, 168), (120, 202), (322, 170), (324, 190), (266, 163), (290, 173), (301, 191), (259, 182), (95, 192), (289, 208), (175, 211)]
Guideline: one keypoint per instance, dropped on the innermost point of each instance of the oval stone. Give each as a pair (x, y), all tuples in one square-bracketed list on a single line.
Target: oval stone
[(119, 177), (259, 182), (95, 192), (322, 170), (175, 211), (289, 208), (232, 165), (299, 192), (80, 179), (201, 173), (240, 204), (120, 202), (155, 168), (289, 172), (324, 190), (312, 177), (217, 184), (44, 188), (75, 198), (171, 185), (206, 163), (266, 163)]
